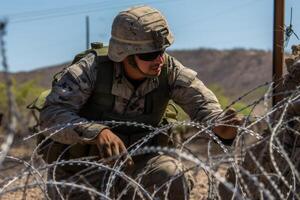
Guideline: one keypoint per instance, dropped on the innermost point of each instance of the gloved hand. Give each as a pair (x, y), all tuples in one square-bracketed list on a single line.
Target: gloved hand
[(231, 118), (109, 144)]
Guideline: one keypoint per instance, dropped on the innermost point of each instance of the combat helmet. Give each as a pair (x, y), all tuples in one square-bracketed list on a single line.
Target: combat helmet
[(139, 29)]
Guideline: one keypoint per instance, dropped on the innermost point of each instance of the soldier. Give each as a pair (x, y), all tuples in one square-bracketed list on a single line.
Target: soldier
[(287, 186), (134, 82)]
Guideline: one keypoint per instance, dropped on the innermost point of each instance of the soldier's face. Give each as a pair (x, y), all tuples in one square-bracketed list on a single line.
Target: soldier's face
[(151, 67)]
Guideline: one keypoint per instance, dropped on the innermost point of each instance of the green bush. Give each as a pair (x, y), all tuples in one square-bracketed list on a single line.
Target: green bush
[(24, 94), (225, 101)]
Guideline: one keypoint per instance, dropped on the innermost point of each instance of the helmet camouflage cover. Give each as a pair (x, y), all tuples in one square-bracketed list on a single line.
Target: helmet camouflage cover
[(137, 30)]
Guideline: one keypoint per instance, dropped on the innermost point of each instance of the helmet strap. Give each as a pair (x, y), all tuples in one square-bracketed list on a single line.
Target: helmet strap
[(132, 62)]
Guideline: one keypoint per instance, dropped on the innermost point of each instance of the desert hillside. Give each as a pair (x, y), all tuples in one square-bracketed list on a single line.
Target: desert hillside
[(236, 71)]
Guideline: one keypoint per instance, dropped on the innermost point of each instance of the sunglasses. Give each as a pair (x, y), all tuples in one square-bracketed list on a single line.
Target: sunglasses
[(150, 56)]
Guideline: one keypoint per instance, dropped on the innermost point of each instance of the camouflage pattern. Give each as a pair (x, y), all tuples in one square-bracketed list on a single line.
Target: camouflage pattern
[(288, 137), (151, 171), (76, 83), (136, 30), (291, 85), (72, 90), (292, 80)]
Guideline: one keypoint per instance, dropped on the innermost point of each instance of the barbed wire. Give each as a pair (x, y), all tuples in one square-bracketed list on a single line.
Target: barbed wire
[(11, 114), (242, 188), (263, 161)]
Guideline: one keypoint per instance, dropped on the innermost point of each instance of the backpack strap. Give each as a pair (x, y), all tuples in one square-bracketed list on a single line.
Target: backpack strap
[(97, 48)]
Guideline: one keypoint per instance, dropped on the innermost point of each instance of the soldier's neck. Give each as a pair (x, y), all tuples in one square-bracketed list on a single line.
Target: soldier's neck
[(131, 72)]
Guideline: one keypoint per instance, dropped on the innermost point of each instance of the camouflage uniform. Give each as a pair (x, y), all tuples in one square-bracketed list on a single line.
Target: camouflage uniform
[(69, 94), (287, 136), (75, 86)]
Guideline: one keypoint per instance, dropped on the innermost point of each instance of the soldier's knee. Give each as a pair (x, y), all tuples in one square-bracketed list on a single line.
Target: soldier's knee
[(168, 174)]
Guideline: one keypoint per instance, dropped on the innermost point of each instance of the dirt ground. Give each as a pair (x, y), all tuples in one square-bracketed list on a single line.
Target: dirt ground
[(23, 150)]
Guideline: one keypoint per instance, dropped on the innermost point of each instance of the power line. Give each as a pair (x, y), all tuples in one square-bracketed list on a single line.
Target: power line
[(73, 10), (39, 12), (57, 15)]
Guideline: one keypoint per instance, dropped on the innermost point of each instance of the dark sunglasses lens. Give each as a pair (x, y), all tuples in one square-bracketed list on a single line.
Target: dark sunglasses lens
[(149, 56)]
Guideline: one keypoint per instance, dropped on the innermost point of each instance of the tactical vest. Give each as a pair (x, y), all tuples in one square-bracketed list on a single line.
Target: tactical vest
[(100, 104)]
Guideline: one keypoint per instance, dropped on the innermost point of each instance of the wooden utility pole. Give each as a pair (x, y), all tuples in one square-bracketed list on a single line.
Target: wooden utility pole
[(278, 49), (87, 25)]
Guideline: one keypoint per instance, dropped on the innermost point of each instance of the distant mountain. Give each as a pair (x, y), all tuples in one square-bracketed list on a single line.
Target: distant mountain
[(42, 75), (236, 71)]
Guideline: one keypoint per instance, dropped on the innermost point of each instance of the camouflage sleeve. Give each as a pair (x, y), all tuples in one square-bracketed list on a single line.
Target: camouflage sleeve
[(191, 94), (291, 86), (68, 94)]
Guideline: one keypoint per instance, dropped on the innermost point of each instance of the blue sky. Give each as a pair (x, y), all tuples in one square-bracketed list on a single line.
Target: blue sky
[(42, 33)]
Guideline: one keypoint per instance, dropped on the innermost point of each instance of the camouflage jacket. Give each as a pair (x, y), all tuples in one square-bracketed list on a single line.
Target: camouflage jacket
[(72, 90)]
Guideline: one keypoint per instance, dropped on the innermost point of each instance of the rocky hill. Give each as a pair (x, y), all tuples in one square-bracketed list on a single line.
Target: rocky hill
[(236, 70)]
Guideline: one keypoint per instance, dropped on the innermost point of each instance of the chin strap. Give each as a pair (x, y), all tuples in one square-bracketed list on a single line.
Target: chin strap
[(133, 63)]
